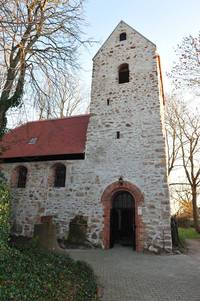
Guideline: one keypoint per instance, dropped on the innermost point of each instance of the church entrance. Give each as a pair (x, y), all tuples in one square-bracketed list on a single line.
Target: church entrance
[(122, 220)]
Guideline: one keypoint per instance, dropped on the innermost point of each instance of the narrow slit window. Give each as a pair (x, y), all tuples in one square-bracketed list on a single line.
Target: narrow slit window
[(118, 135), (108, 102), (123, 73), (122, 36)]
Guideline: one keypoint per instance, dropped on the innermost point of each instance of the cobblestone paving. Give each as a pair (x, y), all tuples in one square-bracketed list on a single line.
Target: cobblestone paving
[(128, 276)]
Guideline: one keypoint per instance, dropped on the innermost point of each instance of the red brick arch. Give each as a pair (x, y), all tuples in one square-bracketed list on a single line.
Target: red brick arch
[(107, 198)]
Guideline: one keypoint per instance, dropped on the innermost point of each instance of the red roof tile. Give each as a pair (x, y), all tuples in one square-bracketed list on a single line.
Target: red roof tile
[(54, 137)]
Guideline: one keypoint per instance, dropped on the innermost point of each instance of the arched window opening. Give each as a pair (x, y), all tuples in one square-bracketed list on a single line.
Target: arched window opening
[(22, 177), (59, 175), (122, 36), (123, 73)]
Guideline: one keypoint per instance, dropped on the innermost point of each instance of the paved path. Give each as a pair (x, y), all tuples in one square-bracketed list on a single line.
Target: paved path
[(128, 276), (193, 246)]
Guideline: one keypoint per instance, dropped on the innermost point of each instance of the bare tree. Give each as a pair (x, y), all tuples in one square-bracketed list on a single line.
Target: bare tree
[(189, 135), (188, 132), (172, 139), (186, 70), (63, 100), (183, 198), (38, 38)]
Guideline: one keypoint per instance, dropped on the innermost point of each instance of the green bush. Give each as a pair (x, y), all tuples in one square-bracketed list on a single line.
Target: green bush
[(4, 214), (40, 276)]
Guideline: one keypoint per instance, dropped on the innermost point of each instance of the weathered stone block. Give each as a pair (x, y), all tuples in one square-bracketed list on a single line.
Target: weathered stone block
[(77, 230)]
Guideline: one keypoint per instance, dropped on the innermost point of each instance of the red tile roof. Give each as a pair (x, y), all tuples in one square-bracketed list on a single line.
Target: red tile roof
[(53, 137)]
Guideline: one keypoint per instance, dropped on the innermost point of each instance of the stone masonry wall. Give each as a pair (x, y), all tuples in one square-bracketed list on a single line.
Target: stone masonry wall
[(136, 110), (39, 198)]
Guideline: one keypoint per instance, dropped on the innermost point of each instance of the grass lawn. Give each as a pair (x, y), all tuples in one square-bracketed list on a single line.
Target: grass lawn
[(36, 275), (187, 233)]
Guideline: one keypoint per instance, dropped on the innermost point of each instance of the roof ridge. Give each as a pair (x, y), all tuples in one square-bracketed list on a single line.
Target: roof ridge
[(48, 120), (62, 118)]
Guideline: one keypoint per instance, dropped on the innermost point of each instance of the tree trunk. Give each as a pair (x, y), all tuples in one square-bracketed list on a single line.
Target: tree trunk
[(3, 121), (195, 209)]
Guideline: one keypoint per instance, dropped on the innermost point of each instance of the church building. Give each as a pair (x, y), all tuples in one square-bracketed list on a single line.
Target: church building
[(107, 167)]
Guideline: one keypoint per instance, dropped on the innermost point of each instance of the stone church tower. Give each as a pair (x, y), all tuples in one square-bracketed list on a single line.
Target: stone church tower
[(108, 167), (126, 139)]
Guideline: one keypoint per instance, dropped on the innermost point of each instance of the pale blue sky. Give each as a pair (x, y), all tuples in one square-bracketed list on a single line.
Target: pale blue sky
[(163, 22)]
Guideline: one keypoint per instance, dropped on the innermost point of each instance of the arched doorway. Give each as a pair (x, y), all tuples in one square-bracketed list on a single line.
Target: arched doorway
[(108, 198), (122, 220)]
